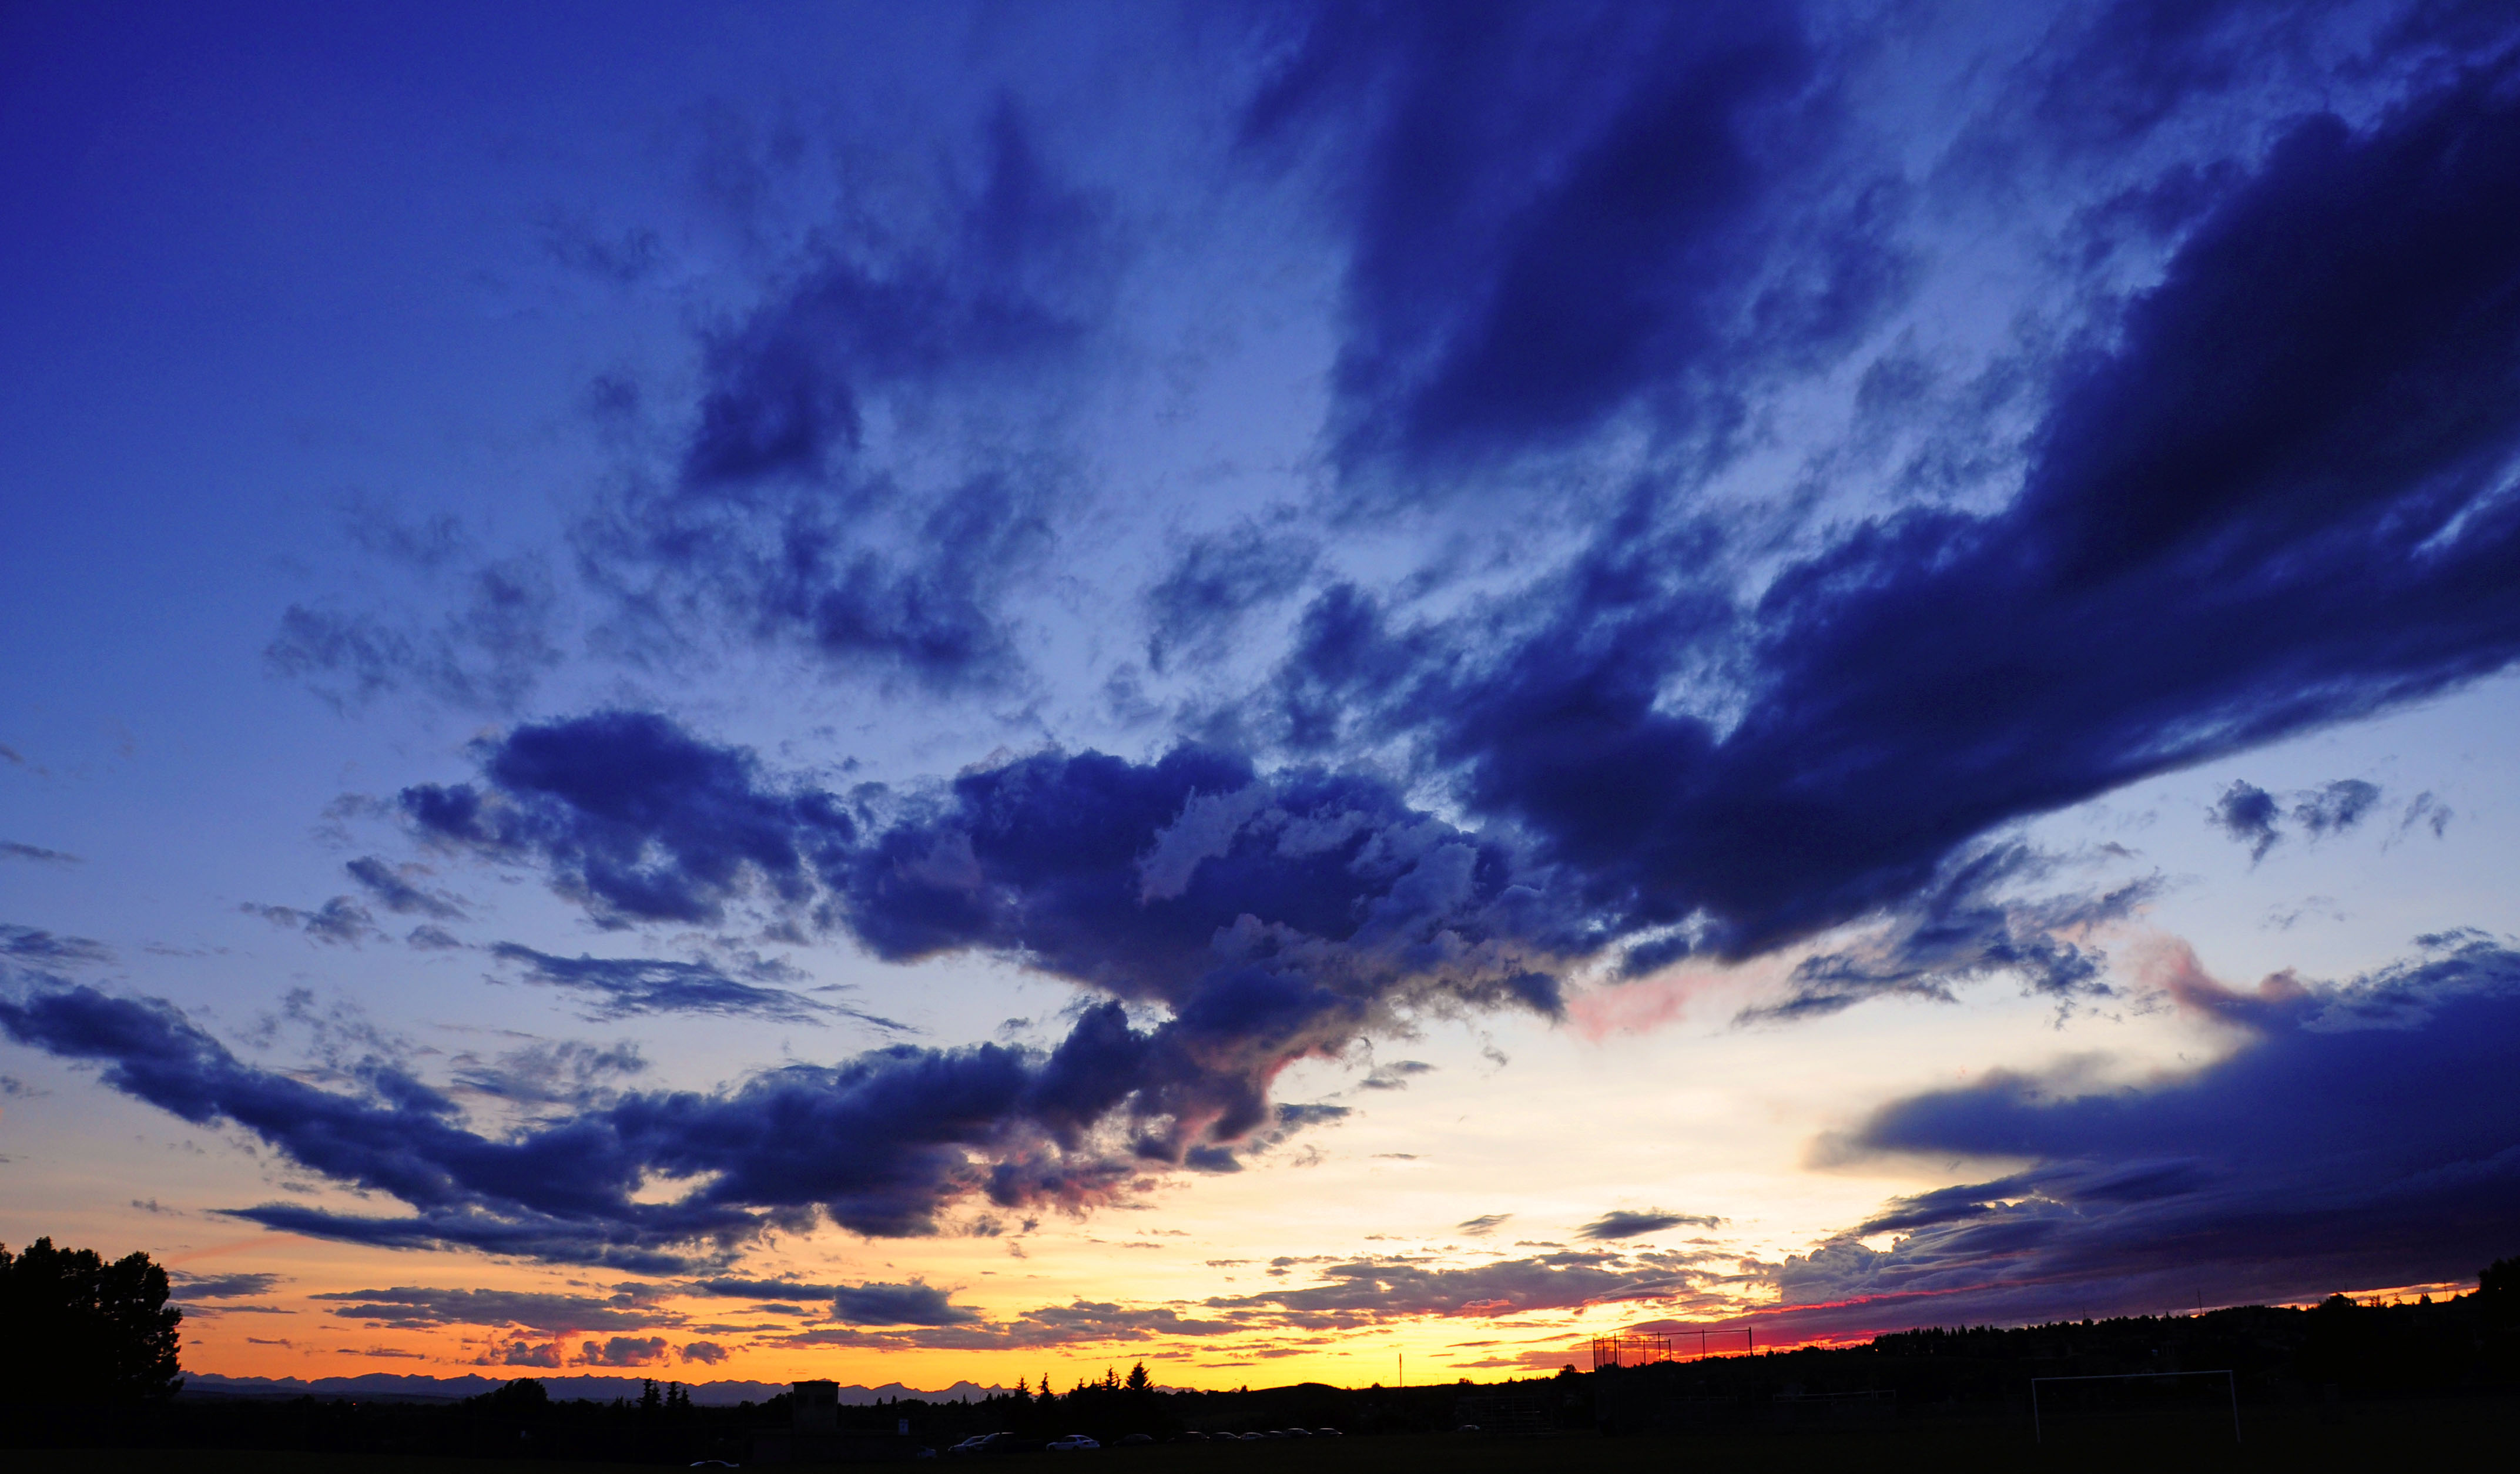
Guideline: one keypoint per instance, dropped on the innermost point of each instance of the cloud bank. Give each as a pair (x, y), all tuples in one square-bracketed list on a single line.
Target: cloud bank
[(2351, 1141)]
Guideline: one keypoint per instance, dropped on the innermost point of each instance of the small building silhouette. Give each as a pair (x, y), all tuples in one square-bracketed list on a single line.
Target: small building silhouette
[(814, 1435), (816, 1408)]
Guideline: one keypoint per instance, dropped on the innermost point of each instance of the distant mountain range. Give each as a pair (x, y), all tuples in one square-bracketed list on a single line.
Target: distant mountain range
[(398, 1385)]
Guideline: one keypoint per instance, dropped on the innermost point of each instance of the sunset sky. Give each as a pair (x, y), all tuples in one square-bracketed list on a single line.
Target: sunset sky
[(914, 692)]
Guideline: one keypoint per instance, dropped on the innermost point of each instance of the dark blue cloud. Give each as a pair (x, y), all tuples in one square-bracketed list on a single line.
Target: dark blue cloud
[(566, 1073), (628, 987), (999, 289), (1199, 603), (923, 603), (1270, 917), (1625, 1224), (2335, 807), (762, 1289), (621, 259), (917, 1303), (339, 923), (1971, 923), (410, 1308), (898, 1134), (2255, 816), (621, 1351), (223, 1286), (779, 523), (1079, 1322), (881, 1142), (2428, 811), (633, 818), (2109, 76), (1267, 919), (486, 654), (1364, 1291), (36, 854), (2360, 1136), (753, 509), (1561, 213), (379, 525), (1396, 1075), (2248, 814), (35, 945), (2269, 503), (521, 1354), (399, 1137), (393, 890)]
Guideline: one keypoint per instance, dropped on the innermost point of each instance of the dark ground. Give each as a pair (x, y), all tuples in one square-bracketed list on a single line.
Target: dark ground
[(2369, 1388), (2472, 1434)]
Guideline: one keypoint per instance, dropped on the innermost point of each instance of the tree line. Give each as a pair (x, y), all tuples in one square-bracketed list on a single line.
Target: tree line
[(79, 1334)]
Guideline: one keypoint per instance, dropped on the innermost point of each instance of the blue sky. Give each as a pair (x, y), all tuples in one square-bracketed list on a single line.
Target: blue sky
[(1048, 681)]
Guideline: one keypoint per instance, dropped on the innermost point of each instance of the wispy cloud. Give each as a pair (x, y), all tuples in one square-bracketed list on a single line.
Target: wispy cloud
[(628, 987), (45, 949), (1626, 1223)]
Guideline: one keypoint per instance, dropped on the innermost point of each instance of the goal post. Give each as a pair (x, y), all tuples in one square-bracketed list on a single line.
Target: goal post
[(2039, 1431)]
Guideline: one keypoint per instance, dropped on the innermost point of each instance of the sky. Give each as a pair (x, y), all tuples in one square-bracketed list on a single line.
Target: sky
[(932, 692)]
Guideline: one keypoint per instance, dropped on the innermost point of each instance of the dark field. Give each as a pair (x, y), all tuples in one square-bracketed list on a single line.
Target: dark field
[(2432, 1435)]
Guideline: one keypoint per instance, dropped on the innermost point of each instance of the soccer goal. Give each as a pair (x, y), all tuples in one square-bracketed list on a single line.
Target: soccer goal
[(2133, 1393)]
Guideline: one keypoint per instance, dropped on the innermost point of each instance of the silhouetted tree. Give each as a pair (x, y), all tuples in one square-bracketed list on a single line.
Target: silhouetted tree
[(2498, 1292), (523, 1397), (75, 1328)]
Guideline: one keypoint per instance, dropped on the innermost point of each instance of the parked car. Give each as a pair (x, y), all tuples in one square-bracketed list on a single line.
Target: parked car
[(1327, 1433), (976, 1443), (1074, 1443), (1132, 1439)]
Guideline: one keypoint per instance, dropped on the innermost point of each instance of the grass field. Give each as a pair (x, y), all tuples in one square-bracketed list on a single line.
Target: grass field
[(2451, 1436)]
